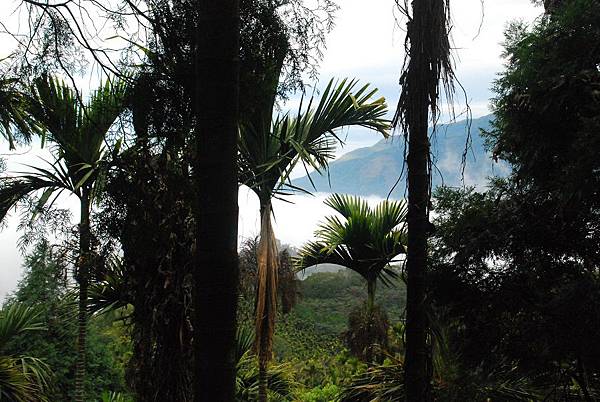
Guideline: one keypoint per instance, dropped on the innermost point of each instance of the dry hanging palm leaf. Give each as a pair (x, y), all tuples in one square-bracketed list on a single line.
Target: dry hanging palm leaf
[(266, 300)]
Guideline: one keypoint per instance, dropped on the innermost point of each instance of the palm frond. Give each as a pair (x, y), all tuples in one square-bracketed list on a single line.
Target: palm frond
[(20, 384), (348, 206), (16, 319), (111, 396), (14, 190), (311, 254), (363, 239), (266, 158), (103, 109), (244, 340), (79, 130), (109, 293), (22, 378), (279, 380), (53, 180), (378, 383), (58, 108), (279, 377), (15, 113)]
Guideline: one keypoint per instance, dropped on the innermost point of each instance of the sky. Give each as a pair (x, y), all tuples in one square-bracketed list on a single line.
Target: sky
[(367, 43)]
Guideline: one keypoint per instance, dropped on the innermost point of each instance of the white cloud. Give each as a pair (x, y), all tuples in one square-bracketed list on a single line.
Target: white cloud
[(294, 221)]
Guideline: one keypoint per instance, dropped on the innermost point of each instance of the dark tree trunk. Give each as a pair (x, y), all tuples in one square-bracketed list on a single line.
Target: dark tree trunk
[(157, 237), (83, 277), (216, 211), (371, 286), (429, 63), (416, 262)]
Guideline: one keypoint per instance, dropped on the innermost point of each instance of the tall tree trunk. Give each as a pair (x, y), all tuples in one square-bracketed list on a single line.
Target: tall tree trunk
[(429, 62), (266, 300), (83, 278), (416, 263), (215, 103)]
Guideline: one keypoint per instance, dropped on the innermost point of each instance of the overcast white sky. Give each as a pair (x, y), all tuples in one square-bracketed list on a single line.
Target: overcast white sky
[(366, 43)]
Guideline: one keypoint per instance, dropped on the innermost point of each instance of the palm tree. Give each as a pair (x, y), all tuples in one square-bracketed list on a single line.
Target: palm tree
[(269, 151), (366, 241), (22, 378), (79, 132), (15, 113), (427, 68)]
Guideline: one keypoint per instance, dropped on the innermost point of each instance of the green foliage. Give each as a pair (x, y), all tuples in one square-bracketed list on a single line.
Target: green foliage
[(333, 369), (108, 396), (526, 250), (545, 301), (451, 380), (22, 378), (327, 299), (382, 382), (280, 377), (547, 103), (16, 121), (297, 337), (310, 338), (366, 240), (326, 393), (268, 153), (547, 111), (44, 287)]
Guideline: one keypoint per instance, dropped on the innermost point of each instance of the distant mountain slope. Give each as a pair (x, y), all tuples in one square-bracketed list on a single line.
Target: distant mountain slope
[(374, 170)]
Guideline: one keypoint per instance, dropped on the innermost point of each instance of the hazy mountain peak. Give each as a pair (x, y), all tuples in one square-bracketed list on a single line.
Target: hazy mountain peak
[(374, 170)]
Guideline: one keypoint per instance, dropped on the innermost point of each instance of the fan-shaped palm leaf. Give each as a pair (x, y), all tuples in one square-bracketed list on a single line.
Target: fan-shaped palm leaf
[(386, 383)]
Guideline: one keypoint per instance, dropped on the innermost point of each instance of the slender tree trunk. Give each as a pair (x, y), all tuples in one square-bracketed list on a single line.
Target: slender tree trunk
[(266, 301), (215, 103), (371, 286), (83, 278)]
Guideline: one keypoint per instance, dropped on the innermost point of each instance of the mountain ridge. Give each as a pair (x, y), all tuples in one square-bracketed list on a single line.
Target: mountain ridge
[(373, 171)]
